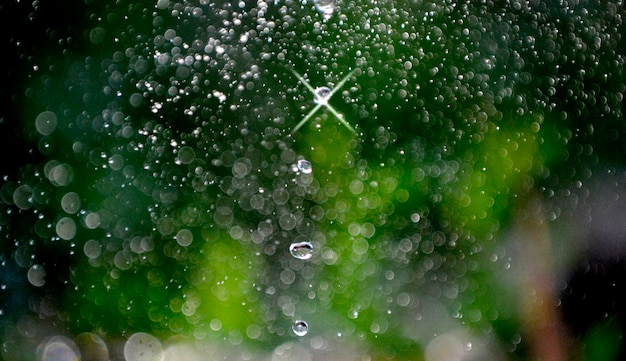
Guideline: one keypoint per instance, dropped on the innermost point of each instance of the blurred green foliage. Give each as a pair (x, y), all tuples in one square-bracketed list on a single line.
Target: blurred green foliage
[(179, 117)]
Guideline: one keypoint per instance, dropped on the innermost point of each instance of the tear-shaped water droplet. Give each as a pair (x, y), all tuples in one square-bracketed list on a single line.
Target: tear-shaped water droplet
[(322, 95), (305, 166), (300, 328), (301, 250), (325, 7)]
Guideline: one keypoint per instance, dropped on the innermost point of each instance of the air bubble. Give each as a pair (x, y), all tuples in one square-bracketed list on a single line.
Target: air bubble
[(301, 250), (300, 328)]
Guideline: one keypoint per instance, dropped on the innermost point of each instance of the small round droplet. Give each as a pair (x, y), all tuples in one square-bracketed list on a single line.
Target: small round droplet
[(184, 237), (322, 95), (301, 250), (305, 166), (300, 328)]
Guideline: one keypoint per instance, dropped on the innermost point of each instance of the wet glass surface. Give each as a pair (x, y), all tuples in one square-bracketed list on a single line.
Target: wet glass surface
[(312, 180)]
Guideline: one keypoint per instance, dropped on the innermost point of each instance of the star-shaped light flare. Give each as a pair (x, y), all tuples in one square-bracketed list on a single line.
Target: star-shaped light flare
[(321, 96)]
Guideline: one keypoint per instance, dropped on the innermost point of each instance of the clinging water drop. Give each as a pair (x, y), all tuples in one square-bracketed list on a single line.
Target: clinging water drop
[(301, 250), (300, 328), (322, 95), (304, 166)]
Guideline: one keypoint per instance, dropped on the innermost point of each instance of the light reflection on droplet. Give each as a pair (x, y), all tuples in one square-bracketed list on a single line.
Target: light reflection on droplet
[(300, 328), (305, 166), (322, 95), (301, 250)]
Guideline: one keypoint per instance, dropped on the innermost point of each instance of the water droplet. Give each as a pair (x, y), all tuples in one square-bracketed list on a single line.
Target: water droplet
[(301, 250), (287, 221), (22, 196), (66, 228), (92, 249), (37, 275), (143, 347), (305, 166), (92, 346), (322, 95), (92, 220), (353, 314), (300, 328), (325, 7), (184, 237), (186, 155), (59, 348), (46, 123), (70, 202)]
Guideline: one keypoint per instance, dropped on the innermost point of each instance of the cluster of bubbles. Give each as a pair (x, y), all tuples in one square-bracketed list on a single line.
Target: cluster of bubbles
[(171, 182)]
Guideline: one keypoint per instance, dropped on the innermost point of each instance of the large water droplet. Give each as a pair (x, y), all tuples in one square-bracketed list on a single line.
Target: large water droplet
[(300, 328), (304, 166), (59, 348), (143, 347), (325, 7), (322, 95), (301, 250)]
